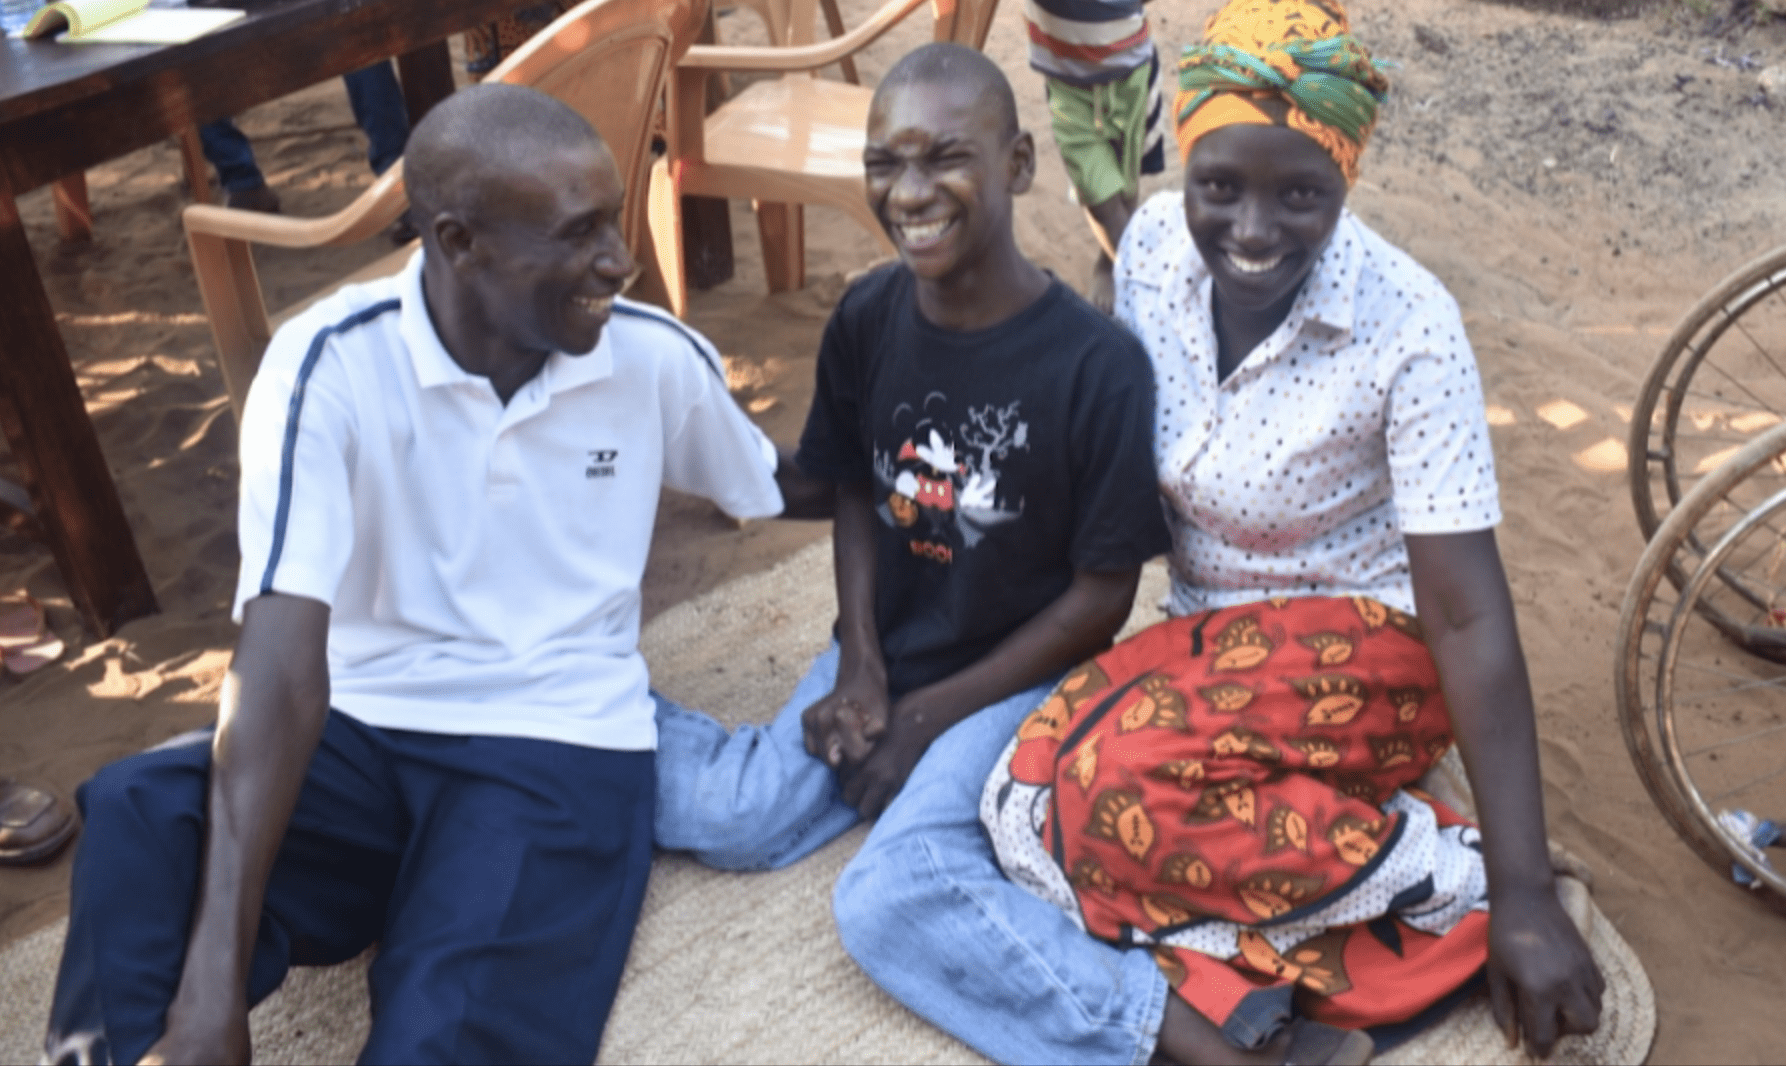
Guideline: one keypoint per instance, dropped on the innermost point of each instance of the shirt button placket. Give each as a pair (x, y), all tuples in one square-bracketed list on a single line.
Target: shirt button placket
[(504, 480)]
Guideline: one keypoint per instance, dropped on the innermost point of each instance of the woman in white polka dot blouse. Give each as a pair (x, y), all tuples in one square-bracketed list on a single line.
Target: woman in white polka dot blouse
[(1326, 467)]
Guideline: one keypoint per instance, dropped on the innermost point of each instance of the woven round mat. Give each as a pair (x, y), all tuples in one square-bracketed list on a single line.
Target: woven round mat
[(748, 968)]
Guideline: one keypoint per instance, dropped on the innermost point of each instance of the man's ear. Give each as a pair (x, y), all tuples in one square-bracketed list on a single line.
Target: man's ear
[(1023, 163), (453, 237)]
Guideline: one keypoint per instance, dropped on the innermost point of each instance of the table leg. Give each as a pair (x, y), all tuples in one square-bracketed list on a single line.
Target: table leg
[(192, 161), (74, 216), (46, 424), (427, 77)]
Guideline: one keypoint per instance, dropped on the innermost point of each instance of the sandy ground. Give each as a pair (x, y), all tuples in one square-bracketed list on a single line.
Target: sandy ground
[(1576, 171)]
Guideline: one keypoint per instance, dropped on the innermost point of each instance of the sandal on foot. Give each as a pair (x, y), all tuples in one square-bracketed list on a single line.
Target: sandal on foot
[(26, 642), (34, 825), (1314, 1043)]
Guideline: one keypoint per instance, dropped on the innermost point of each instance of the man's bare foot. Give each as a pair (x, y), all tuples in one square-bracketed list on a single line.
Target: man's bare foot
[(1188, 1037), (1102, 293)]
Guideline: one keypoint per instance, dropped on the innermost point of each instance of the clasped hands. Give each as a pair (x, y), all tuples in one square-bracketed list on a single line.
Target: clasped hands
[(872, 742)]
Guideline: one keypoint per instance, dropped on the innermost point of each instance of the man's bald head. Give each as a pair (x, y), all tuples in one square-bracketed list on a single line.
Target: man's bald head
[(944, 63), (522, 211), (483, 132)]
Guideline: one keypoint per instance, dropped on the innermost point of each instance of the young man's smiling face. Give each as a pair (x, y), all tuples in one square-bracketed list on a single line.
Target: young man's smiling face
[(548, 256), (1261, 202), (942, 165)]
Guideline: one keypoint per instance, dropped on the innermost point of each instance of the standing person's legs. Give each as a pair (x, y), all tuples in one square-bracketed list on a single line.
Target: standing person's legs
[(227, 149), (1108, 135), (514, 909), (377, 101), (926, 912), (749, 798), (136, 875)]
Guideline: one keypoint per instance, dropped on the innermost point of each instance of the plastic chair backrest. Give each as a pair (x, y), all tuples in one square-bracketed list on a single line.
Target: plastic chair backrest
[(788, 21), (964, 21), (610, 60), (792, 22)]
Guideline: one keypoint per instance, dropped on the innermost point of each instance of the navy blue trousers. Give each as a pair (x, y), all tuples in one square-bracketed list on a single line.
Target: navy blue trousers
[(376, 99), (500, 877)]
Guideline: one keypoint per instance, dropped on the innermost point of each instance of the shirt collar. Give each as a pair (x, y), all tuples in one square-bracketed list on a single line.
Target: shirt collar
[(563, 372), (1328, 297), (435, 366)]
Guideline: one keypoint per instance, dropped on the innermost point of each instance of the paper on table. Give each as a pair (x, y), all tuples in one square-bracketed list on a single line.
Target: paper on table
[(125, 22), (159, 26)]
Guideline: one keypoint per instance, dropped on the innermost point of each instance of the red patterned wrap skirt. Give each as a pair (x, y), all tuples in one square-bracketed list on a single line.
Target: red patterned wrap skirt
[(1234, 792)]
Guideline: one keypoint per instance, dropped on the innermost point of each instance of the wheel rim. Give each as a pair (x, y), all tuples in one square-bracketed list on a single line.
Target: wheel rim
[(1651, 603), (1720, 380), (1721, 712)]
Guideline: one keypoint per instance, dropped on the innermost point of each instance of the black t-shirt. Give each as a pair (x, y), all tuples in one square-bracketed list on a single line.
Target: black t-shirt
[(1002, 460)]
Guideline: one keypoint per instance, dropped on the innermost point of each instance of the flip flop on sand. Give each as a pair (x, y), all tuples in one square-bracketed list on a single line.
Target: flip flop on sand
[(26, 642), (34, 825), (1753, 834)]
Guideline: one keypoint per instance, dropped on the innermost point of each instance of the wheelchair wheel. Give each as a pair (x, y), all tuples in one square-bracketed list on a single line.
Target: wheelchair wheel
[(1720, 380), (1701, 688)]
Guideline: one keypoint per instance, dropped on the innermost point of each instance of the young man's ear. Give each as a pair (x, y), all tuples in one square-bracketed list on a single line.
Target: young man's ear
[(1023, 163)]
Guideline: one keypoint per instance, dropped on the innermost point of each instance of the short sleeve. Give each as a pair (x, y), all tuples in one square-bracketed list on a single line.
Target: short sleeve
[(1150, 244), (1440, 456), (294, 521), (711, 448), (834, 445), (1119, 520)]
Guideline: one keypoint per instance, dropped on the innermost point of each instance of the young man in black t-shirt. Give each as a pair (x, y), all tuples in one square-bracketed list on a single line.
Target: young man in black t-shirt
[(983, 438)]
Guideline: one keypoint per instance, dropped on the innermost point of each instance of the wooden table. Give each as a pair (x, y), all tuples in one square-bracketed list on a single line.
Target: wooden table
[(66, 108)]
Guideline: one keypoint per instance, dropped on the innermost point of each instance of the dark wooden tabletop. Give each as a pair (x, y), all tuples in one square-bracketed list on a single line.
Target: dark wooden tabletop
[(64, 108)]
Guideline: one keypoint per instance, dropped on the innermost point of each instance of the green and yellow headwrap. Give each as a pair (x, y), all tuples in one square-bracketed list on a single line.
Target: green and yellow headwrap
[(1299, 51)]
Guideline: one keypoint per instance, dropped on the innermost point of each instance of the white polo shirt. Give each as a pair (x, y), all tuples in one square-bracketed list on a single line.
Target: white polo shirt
[(481, 561), (1359, 420)]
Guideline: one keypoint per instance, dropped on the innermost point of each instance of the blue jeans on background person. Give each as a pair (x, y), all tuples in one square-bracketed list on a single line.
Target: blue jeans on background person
[(377, 102), (923, 908)]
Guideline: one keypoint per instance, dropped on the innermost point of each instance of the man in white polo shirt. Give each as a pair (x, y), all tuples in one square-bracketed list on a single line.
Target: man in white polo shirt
[(437, 733)]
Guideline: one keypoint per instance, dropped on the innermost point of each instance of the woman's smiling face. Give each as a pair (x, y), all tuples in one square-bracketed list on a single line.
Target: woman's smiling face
[(1260, 202)]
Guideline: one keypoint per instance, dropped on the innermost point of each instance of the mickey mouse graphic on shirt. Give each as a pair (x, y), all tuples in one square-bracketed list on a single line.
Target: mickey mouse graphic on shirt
[(942, 486)]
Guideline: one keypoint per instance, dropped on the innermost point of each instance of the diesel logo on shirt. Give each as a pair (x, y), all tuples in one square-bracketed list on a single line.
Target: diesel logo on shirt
[(601, 463)]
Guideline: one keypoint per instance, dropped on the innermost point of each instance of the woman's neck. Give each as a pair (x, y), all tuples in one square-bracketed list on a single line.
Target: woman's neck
[(1239, 330)]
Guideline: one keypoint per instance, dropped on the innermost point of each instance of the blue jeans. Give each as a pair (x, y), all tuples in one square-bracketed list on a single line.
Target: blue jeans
[(377, 102), (923, 908)]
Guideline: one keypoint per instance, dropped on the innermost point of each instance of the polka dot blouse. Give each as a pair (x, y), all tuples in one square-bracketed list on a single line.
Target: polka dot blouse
[(1359, 420)]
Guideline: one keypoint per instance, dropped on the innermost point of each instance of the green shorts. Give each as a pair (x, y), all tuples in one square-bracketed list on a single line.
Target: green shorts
[(1109, 134)]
